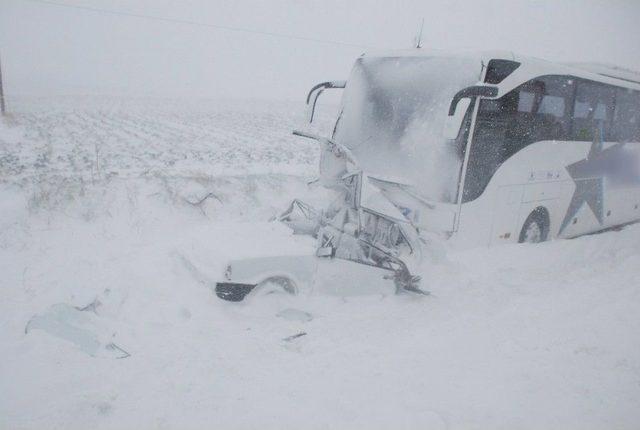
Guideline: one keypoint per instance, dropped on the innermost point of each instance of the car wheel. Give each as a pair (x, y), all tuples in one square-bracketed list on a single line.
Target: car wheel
[(275, 285)]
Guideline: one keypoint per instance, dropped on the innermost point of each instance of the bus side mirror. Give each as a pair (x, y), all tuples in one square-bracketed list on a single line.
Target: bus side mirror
[(460, 104), (454, 122), (315, 92), (484, 91)]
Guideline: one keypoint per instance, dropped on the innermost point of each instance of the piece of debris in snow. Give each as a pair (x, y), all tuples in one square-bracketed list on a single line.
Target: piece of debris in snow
[(291, 314), (91, 307), (417, 290), (197, 195), (294, 336), (82, 328)]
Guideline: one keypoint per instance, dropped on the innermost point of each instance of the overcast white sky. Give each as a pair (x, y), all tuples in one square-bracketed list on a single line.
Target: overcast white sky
[(48, 49)]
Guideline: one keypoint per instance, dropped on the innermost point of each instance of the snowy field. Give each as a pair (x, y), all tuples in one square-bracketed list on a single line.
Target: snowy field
[(134, 208)]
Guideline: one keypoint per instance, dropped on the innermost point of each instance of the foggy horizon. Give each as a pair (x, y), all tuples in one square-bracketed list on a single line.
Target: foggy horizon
[(49, 50)]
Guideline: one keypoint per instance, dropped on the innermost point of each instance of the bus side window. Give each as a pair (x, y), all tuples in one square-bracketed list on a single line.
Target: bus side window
[(555, 107), (626, 120), (535, 111), (498, 70), (543, 111), (593, 110)]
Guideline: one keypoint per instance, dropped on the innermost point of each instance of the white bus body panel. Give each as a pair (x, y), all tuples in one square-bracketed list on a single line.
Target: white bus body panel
[(536, 177)]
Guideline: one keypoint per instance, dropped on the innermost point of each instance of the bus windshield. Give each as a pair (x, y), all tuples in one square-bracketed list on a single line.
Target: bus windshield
[(393, 114)]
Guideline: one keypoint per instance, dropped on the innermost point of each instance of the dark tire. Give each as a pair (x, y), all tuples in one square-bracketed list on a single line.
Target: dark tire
[(536, 227)]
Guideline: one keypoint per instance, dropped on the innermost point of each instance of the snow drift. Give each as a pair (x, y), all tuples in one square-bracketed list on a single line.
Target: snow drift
[(512, 337)]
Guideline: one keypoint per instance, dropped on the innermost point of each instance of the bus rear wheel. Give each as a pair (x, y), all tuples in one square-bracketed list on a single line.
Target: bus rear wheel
[(536, 227)]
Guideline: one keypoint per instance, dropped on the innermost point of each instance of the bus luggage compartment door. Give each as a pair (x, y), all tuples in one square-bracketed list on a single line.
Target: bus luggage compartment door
[(505, 214)]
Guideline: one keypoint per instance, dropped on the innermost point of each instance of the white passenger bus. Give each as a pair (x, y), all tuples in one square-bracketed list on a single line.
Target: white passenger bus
[(496, 147), (477, 149)]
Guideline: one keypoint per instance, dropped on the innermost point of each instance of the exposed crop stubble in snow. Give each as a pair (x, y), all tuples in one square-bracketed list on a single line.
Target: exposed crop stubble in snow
[(513, 337)]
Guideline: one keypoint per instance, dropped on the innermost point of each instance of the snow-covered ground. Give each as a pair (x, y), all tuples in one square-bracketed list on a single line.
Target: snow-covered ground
[(136, 206)]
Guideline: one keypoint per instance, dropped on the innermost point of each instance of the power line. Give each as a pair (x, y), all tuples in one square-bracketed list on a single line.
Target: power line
[(200, 24)]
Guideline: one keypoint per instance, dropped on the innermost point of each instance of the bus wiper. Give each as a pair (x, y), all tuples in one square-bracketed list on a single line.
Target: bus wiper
[(338, 149)]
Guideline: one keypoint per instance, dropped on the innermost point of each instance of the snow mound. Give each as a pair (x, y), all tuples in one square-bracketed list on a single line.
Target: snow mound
[(512, 337)]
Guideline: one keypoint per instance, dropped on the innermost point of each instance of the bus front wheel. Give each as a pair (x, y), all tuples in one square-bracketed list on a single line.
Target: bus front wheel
[(536, 227)]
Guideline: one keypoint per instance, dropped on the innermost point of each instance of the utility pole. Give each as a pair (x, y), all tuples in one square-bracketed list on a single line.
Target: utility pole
[(418, 38), (2, 107)]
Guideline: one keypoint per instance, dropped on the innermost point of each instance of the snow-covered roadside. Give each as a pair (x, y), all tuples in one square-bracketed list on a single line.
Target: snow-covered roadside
[(513, 337), (97, 138)]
